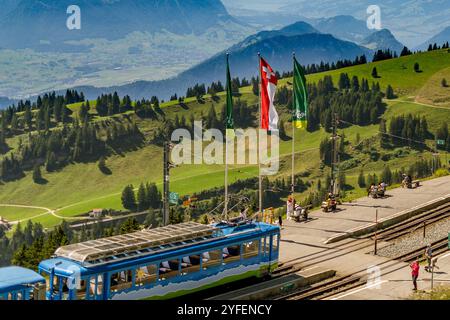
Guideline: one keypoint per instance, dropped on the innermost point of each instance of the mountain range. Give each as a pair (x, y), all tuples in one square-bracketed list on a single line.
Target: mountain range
[(159, 47), (29, 23), (411, 21), (440, 38), (276, 46), (382, 40), (344, 27)]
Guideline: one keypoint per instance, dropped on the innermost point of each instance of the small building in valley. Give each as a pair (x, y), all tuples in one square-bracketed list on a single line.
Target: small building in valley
[(4, 224), (96, 213)]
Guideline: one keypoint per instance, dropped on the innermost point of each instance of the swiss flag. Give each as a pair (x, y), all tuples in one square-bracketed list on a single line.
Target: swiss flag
[(269, 115)]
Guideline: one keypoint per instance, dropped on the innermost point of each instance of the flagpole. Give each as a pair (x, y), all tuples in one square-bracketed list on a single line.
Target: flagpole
[(226, 176), (259, 137), (226, 161), (293, 141)]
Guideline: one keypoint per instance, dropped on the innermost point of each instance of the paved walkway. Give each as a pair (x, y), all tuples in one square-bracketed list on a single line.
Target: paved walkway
[(398, 285), (361, 212), (304, 243)]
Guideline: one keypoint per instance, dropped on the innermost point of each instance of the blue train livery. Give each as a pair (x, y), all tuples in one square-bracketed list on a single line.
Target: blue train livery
[(162, 263), (18, 283)]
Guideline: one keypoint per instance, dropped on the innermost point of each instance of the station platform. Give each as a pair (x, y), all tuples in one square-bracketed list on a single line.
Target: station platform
[(398, 285), (307, 243)]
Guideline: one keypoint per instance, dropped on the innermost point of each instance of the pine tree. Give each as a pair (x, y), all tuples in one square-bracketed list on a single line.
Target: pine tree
[(37, 176), (142, 200), (28, 118), (129, 226), (83, 113), (390, 92), (361, 180), (355, 83), (255, 86), (102, 163), (384, 139), (374, 72), (128, 198), (416, 67), (282, 131), (342, 180), (386, 175), (51, 163), (405, 52)]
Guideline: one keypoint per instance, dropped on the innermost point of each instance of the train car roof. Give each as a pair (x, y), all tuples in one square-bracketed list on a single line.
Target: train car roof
[(13, 278), (66, 258)]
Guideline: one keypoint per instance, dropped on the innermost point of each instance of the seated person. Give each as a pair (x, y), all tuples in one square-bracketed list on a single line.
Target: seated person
[(114, 279), (164, 267), (226, 253), (186, 260), (205, 257)]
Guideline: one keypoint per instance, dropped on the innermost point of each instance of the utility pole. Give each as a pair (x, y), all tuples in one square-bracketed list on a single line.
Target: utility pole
[(335, 156), (375, 251), (167, 166)]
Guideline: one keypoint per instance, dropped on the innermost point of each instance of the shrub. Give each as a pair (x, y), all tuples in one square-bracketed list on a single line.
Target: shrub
[(442, 172)]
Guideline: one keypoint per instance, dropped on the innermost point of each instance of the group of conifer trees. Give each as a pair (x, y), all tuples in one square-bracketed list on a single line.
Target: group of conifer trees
[(57, 148), (147, 196)]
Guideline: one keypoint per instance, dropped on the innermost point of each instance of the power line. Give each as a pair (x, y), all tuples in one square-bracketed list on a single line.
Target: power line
[(389, 134)]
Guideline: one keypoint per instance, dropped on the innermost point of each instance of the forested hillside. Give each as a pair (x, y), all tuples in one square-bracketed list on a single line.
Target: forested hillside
[(63, 156)]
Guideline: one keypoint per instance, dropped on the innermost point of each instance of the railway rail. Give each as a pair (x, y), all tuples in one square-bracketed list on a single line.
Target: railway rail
[(341, 284), (366, 242), (344, 283), (347, 282)]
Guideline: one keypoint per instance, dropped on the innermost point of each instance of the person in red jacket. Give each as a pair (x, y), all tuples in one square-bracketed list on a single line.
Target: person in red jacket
[(415, 272)]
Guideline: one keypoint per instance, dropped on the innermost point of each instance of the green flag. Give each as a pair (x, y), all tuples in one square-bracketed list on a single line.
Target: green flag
[(229, 125), (300, 103)]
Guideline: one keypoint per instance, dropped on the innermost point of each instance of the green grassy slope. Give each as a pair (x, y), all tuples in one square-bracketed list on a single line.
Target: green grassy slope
[(79, 188)]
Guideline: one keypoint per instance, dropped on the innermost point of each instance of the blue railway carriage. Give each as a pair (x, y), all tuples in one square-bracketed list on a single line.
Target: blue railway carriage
[(162, 263), (17, 283)]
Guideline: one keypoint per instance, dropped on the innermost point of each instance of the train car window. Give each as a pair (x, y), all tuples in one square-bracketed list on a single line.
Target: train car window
[(231, 254), (250, 249), (81, 291), (275, 242), (169, 269), (146, 275), (190, 264), (267, 245), (211, 259), (96, 287), (65, 289), (121, 280), (55, 285)]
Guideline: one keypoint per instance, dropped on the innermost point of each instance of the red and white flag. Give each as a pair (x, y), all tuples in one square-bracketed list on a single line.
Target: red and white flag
[(269, 115)]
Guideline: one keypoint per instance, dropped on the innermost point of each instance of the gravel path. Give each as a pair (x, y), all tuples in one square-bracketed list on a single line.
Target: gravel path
[(415, 240)]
